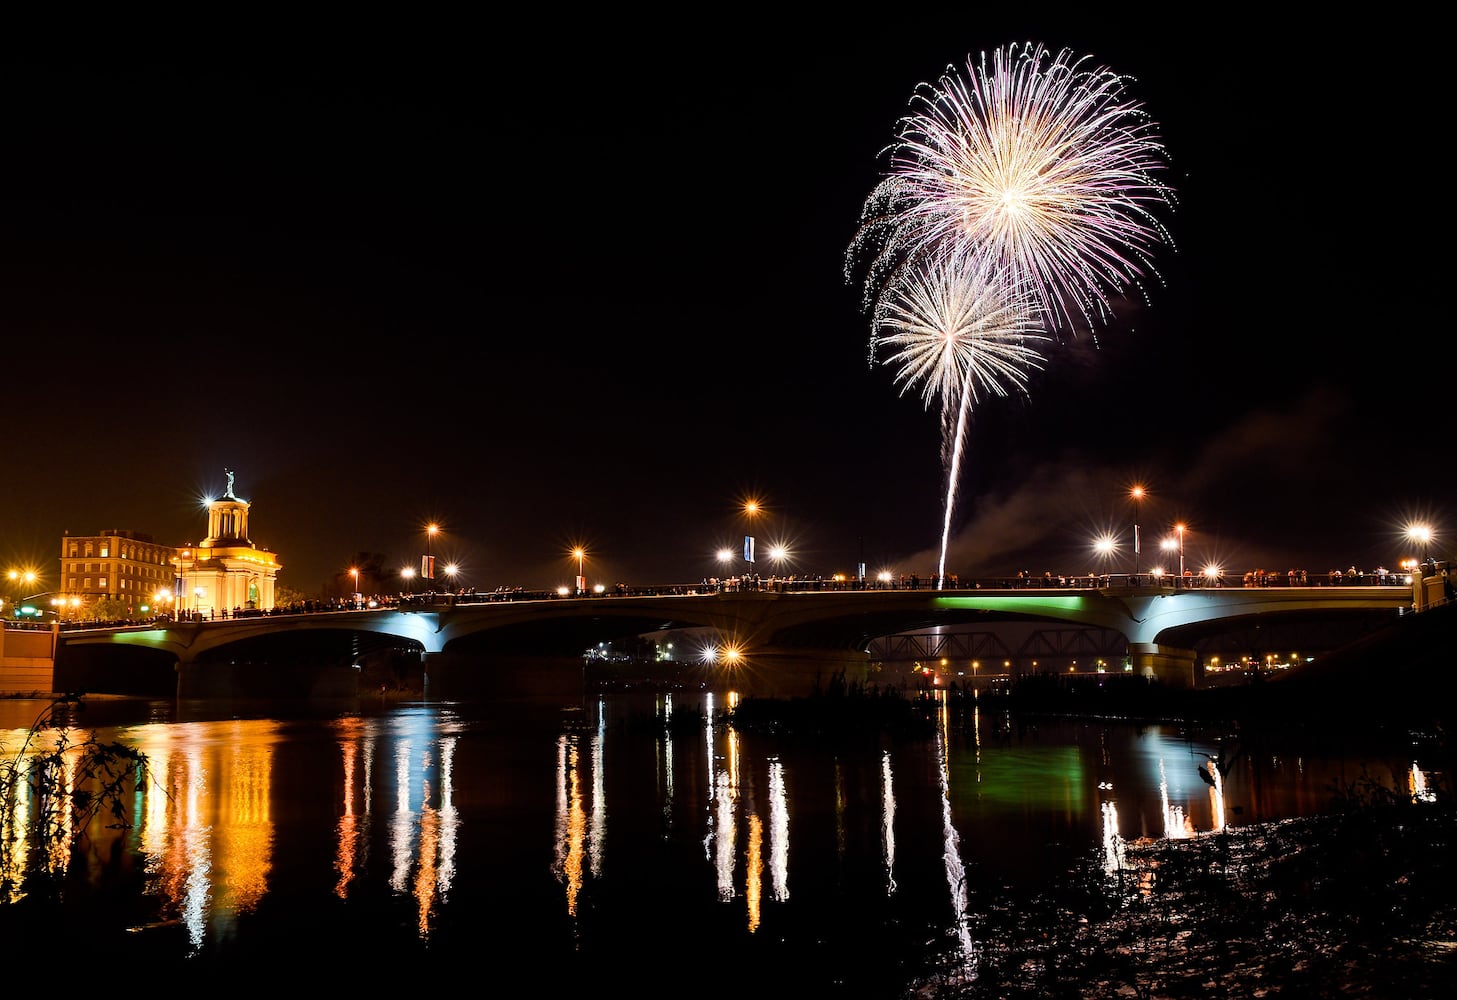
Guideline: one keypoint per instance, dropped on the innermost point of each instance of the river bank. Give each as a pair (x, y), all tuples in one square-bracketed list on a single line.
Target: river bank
[(1354, 904)]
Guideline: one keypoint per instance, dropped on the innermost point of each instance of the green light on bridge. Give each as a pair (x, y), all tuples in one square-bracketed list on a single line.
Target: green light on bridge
[(1014, 603)]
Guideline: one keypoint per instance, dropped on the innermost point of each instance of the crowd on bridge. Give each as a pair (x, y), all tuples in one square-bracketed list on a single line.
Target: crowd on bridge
[(1351, 576)]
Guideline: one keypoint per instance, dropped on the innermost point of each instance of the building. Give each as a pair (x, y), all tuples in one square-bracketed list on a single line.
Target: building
[(126, 569), (225, 574), (133, 577)]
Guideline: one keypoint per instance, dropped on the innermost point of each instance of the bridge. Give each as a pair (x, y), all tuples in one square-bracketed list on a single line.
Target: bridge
[(783, 640)]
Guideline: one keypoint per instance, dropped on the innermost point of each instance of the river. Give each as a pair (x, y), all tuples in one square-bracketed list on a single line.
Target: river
[(625, 840)]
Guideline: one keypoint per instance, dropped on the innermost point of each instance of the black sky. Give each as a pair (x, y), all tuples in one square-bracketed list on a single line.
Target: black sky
[(550, 289)]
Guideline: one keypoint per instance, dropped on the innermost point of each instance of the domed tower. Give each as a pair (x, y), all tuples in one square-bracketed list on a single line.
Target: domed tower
[(227, 521), (226, 574)]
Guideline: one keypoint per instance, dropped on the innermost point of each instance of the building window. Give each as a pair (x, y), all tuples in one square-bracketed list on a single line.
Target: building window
[(105, 550)]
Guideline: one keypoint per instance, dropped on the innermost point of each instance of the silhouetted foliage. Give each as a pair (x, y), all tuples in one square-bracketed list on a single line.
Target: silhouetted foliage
[(52, 786)]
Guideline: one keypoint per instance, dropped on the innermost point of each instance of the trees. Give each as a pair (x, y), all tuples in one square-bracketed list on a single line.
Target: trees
[(51, 787)]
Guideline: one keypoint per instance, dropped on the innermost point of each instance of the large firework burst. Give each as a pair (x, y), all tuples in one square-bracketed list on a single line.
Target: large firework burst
[(955, 328), (1019, 198), (1036, 161)]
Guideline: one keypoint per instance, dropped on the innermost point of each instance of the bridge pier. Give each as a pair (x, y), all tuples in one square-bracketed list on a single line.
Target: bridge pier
[(28, 659), (1166, 664)]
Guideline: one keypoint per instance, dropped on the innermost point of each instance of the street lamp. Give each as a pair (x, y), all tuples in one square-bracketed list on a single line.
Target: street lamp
[(1423, 534), (1104, 547), (354, 594), (428, 570), (181, 598), (752, 507), (1180, 529), (1136, 495), (580, 554)]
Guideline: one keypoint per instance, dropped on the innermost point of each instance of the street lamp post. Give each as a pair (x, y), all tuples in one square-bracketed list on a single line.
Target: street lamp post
[(1180, 529), (1423, 534), (428, 570), (751, 511), (725, 557), (180, 601), (1104, 547), (1136, 495), (354, 595), (580, 554)]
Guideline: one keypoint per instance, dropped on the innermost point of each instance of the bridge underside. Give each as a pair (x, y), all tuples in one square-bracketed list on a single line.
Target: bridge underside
[(871, 637), (1019, 647)]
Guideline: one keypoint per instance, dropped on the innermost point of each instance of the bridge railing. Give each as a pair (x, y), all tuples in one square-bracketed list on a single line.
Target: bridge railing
[(424, 600)]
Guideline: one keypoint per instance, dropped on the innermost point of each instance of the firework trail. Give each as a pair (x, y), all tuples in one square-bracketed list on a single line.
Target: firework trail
[(954, 333), (1035, 169)]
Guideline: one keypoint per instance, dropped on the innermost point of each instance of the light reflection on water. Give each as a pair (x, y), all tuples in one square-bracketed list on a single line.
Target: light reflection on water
[(651, 834)]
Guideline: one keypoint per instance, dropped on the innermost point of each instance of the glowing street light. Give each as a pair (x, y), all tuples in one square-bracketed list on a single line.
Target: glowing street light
[(1179, 528), (752, 509), (725, 556), (408, 573), (354, 595), (1421, 534), (1136, 494), (25, 577), (580, 554), (428, 570), (780, 555)]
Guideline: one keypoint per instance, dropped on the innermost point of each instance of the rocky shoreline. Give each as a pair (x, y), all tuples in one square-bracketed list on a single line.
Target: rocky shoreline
[(1355, 904)]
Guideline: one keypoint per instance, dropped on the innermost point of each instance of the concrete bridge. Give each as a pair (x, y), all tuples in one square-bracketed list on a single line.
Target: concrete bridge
[(778, 642)]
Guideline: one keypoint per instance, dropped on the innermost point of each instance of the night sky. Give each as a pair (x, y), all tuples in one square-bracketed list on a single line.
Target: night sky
[(549, 290)]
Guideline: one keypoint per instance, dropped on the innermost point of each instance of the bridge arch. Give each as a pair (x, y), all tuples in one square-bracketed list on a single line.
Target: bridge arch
[(835, 626)]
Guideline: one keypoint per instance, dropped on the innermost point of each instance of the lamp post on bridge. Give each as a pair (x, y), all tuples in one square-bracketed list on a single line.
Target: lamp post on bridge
[(1136, 495), (1423, 534), (1172, 543), (1104, 547), (427, 571), (752, 508)]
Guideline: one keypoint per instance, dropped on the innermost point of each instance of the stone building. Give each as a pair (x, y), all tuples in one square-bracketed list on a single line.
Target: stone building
[(124, 567), (138, 577), (225, 574)]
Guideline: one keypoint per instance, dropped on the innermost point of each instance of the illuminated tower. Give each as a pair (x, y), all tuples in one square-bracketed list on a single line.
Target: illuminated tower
[(226, 573)]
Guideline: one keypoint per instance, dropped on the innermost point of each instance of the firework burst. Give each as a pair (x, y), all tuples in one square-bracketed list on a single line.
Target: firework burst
[(1036, 161), (956, 330), (1019, 198)]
